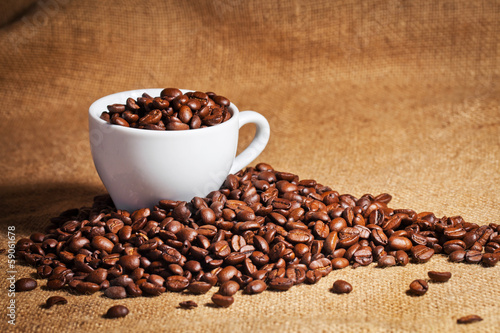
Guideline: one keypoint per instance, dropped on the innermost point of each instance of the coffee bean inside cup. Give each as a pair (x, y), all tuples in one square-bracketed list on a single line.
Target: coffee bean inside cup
[(171, 111)]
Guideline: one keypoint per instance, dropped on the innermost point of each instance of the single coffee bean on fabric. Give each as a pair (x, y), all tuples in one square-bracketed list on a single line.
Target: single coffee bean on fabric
[(25, 284), (341, 287), (469, 319), (117, 311), (418, 287), (439, 276), (55, 300), (188, 304)]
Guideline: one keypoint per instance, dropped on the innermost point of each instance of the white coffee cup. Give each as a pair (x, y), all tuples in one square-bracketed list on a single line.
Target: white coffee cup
[(139, 167)]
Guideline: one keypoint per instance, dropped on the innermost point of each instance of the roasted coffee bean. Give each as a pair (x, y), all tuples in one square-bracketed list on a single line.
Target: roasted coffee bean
[(55, 300), (176, 283), (321, 265), (151, 110), (199, 287), (422, 253), (280, 284), (490, 259), (454, 245), (55, 284), (25, 284), (400, 243), (229, 288), (341, 287), (188, 304), (115, 292), (402, 258), (473, 256), (439, 276), (222, 301), (363, 256), (130, 262), (117, 311), (457, 256), (469, 319), (339, 263), (418, 287), (152, 289), (262, 228), (102, 244), (255, 287), (386, 261)]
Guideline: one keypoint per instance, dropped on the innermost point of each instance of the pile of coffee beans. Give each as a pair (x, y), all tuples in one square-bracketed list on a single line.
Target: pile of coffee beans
[(171, 111), (263, 229)]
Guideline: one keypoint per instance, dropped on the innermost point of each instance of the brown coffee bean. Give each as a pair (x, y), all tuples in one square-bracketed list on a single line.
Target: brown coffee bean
[(363, 256), (339, 263), (400, 243), (255, 287), (439, 276), (87, 288), (55, 300), (176, 283), (101, 243), (25, 284), (457, 256), (386, 261), (199, 287), (490, 259), (469, 319), (130, 262), (188, 304), (222, 301), (229, 288), (115, 292), (55, 284), (422, 253), (418, 287), (117, 311), (341, 287), (473, 257), (280, 284)]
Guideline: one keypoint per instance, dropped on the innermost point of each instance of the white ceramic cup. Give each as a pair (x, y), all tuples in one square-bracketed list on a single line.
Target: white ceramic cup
[(141, 167)]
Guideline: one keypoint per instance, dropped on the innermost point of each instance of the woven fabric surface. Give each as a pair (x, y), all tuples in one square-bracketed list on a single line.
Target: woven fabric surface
[(364, 96)]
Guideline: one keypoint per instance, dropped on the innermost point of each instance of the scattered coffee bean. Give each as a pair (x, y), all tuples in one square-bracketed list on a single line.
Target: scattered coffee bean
[(222, 301), (188, 304), (419, 287), (262, 229), (25, 284), (117, 311), (341, 287), (439, 276), (53, 300), (469, 319)]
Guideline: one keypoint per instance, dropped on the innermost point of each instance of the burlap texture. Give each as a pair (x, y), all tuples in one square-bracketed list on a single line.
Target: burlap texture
[(365, 96)]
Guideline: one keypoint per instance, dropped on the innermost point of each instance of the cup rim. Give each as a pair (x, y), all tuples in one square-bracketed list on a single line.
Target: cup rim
[(95, 111)]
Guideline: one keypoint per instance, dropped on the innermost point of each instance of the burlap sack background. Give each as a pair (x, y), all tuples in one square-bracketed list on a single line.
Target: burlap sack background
[(365, 96)]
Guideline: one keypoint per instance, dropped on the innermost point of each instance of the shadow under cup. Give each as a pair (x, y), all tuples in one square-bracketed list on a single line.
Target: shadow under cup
[(140, 167)]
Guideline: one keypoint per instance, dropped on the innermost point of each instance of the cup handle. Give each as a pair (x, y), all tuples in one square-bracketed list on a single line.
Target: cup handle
[(258, 143)]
